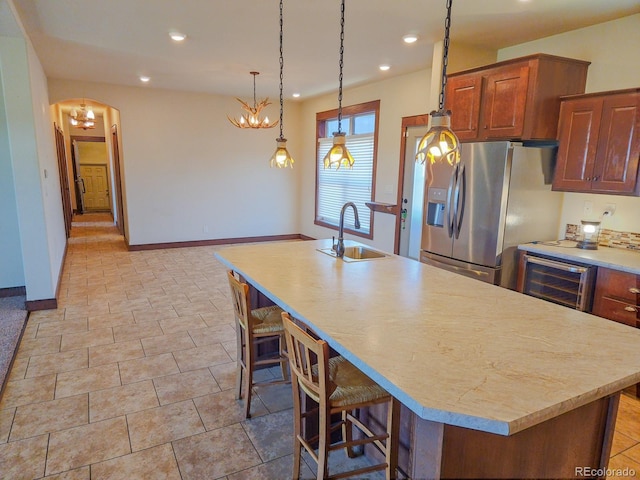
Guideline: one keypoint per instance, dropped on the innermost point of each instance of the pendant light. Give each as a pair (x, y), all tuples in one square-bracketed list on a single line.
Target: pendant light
[(440, 143), (252, 118), (338, 155), (281, 158), (83, 118)]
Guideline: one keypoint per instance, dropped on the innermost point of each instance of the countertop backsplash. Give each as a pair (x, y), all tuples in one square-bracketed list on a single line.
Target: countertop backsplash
[(607, 238)]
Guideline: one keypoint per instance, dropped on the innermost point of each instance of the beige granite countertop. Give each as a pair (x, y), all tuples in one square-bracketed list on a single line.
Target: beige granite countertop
[(625, 260), (452, 349)]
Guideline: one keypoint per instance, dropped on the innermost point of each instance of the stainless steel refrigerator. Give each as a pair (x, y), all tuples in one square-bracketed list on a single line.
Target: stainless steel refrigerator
[(477, 212)]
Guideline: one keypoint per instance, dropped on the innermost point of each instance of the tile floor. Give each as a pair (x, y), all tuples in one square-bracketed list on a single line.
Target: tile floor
[(132, 376)]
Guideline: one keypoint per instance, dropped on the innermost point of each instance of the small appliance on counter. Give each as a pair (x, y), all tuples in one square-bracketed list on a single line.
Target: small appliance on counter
[(590, 232)]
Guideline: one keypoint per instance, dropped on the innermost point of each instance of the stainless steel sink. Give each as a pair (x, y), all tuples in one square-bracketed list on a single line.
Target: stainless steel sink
[(355, 254)]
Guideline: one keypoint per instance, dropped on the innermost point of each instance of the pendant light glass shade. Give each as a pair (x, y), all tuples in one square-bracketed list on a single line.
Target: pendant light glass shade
[(83, 118), (281, 157), (338, 155), (439, 143)]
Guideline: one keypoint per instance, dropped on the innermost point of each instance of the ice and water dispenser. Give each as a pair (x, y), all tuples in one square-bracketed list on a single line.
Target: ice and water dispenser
[(436, 198)]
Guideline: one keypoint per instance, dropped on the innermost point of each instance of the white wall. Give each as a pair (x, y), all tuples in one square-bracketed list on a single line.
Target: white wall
[(399, 97), (190, 174), (32, 154), (613, 48)]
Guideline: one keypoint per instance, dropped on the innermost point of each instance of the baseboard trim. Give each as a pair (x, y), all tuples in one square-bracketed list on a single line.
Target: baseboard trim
[(220, 241), (12, 291), (45, 304)]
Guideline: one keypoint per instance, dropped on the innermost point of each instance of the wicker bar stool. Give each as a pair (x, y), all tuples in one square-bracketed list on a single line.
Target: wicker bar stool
[(337, 386), (255, 327)]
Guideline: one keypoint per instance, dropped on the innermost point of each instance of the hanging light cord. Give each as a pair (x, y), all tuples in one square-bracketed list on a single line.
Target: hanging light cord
[(281, 76), (255, 104), (341, 65), (445, 56)]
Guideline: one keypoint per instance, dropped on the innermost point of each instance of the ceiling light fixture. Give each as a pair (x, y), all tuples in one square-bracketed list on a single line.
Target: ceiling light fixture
[(83, 118), (177, 36), (440, 143), (338, 154), (384, 68), (296, 95), (410, 38), (252, 119), (281, 158), (144, 78)]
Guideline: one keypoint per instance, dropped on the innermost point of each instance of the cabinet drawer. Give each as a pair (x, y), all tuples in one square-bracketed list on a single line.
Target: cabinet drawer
[(622, 286), (619, 311)]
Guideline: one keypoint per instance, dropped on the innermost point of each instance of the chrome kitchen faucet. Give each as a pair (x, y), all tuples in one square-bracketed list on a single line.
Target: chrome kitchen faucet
[(339, 246)]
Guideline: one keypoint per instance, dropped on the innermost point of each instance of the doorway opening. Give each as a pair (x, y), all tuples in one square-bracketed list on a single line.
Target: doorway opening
[(91, 164)]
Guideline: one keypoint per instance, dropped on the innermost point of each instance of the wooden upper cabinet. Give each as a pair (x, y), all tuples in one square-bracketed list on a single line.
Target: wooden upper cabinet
[(513, 100), (599, 137)]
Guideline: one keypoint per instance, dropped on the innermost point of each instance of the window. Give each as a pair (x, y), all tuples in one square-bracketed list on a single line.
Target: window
[(334, 187)]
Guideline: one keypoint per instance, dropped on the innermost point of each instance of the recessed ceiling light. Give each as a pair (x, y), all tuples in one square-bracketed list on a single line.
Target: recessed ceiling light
[(410, 38), (295, 95), (177, 36), (144, 78), (384, 68)]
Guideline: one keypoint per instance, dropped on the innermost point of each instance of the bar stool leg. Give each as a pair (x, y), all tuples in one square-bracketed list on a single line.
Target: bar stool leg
[(297, 429), (324, 440), (239, 358), (347, 433), (393, 432), (284, 363)]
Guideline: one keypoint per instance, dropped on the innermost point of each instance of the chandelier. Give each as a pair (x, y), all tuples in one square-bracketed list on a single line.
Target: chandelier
[(83, 118), (252, 118), (440, 143), (281, 157), (338, 154)]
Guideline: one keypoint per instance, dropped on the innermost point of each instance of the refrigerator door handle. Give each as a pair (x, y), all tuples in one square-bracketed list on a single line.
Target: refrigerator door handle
[(449, 204), (461, 193)]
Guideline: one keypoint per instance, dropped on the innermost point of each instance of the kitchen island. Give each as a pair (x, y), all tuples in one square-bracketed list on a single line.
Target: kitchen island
[(501, 385)]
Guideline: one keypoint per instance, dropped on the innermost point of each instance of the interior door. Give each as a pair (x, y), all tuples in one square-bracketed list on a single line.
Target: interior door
[(96, 187), (411, 209)]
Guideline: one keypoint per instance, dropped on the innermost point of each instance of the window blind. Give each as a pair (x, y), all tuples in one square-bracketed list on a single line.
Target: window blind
[(337, 187)]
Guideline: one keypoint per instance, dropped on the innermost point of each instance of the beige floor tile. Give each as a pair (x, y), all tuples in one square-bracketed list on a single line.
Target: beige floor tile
[(168, 300), (628, 421), (129, 305), (110, 320), (621, 442), (205, 356), (46, 316), (30, 390), (73, 341), (6, 421), (182, 324), (154, 314), (225, 374), (231, 348), (222, 409), (18, 369), (50, 329), (633, 453), (216, 453), (57, 362), (38, 346), (118, 401), (87, 380), (51, 416), (82, 473), (24, 459), (148, 367), (195, 308), (92, 443), (279, 468), (622, 467), (219, 319), (125, 333), (160, 460), (167, 343), (75, 311), (183, 386), (160, 425), (115, 352), (211, 335)]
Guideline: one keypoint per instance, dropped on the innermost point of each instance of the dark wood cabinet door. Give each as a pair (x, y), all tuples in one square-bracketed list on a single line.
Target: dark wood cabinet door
[(617, 296), (616, 168), (463, 99), (578, 137), (505, 100)]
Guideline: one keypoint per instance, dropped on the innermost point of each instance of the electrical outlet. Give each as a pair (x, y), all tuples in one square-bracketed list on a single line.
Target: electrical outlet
[(588, 209), (609, 209)]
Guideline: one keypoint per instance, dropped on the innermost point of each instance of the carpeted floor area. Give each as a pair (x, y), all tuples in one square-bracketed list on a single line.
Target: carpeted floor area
[(13, 317)]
